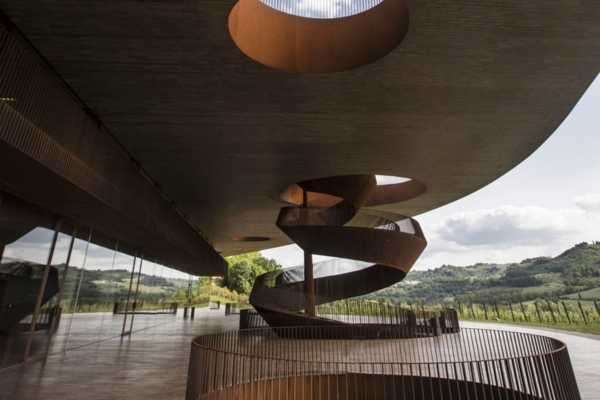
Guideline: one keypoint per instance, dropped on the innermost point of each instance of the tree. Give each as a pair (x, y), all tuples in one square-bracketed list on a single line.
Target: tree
[(243, 270), (240, 277)]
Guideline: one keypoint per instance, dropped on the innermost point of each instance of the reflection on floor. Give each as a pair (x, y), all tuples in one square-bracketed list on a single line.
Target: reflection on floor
[(74, 331), (152, 363)]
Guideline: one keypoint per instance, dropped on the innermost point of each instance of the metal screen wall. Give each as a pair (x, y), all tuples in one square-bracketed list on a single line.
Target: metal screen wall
[(338, 363)]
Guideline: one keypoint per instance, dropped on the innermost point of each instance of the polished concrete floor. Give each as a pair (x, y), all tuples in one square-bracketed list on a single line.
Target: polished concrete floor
[(74, 331), (98, 364), (90, 361)]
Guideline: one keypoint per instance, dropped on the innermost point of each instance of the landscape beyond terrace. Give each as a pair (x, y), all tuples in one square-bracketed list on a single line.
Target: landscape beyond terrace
[(575, 271)]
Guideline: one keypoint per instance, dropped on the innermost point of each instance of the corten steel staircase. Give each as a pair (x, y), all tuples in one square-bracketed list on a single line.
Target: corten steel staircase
[(330, 222)]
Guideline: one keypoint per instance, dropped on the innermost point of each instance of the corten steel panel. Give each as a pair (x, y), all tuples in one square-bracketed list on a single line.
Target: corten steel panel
[(56, 156), (473, 89)]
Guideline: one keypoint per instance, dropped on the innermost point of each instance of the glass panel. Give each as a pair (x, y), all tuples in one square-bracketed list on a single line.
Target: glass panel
[(161, 292), (107, 279), (70, 293), (48, 318), (91, 289), (128, 303)]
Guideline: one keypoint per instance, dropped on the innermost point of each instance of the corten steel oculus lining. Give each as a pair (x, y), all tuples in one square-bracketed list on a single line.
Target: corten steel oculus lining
[(300, 44), (474, 88)]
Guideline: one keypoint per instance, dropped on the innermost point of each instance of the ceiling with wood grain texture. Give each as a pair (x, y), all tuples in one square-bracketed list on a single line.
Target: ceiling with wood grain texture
[(474, 88)]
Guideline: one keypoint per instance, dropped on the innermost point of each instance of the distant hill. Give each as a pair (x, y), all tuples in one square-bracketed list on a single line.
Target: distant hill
[(106, 286), (109, 285), (575, 271)]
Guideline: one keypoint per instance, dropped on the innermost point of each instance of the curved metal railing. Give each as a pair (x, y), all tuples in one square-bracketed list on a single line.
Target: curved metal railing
[(330, 362), (393, 321)]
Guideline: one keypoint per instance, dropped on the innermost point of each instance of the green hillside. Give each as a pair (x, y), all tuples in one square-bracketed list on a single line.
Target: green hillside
[(577, 270), (106, 286)]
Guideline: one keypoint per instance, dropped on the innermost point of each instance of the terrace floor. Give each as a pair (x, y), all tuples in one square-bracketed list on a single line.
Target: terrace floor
[(91, 361), (99, 364)]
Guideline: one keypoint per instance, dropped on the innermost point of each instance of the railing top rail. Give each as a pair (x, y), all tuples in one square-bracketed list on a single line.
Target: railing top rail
[(441, 350)]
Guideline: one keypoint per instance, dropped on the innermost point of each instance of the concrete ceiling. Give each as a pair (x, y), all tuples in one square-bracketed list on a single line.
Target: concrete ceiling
[(474, 89)]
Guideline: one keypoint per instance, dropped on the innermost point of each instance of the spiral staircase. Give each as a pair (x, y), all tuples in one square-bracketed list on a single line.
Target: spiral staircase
[(328, 219)]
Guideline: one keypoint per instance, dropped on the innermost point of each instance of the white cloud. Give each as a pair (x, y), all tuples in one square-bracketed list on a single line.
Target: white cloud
[(506, 226), (495, 235), (503, 234), (589, 203)]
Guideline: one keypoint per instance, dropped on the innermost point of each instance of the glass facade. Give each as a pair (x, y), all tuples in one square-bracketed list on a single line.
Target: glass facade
[(59, 290)]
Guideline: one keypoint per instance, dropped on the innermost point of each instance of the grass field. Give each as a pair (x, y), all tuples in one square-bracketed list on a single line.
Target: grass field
[(592, 328), (569, 315)]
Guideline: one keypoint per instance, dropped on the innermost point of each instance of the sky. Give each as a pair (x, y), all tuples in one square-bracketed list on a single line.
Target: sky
[(322, 9), (543, 206), (34, 247)]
